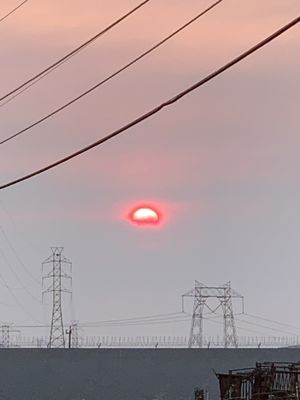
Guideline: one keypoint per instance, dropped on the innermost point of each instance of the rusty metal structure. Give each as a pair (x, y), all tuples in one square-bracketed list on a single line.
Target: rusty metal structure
[(200, 394), (267, 381)]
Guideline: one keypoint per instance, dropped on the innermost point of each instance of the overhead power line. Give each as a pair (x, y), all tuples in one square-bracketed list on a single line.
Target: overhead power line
[(272, 328), (154, 321), (18, 257), (18, 303), (272, 321), (157, 109), (13, 10), (17, 277), (158, 319), (237, 326), (144, 317), (139, 323), (71, 54), (266, 327), (215, 321), (113, 75)]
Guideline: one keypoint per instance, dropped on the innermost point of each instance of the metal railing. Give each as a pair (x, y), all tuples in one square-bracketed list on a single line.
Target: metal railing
[(157, 342)]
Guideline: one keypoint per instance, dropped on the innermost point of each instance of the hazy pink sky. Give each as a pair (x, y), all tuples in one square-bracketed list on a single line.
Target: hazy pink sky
[(223, 162)]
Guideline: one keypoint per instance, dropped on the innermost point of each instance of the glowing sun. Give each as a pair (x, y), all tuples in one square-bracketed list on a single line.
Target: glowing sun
[(144, 216)]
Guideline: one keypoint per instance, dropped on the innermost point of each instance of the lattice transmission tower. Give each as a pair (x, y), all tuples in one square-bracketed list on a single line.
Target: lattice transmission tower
[(57, 269), (6, 331), (5, 335), (202, 295)]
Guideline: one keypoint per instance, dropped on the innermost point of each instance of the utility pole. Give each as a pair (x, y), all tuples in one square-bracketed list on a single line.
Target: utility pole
[(75, 335), (57, 270), (72, 332), (202, 295), (69, 333)]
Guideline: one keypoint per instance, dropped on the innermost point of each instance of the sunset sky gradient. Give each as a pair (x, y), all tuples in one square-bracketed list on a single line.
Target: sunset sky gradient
[(223, 163)]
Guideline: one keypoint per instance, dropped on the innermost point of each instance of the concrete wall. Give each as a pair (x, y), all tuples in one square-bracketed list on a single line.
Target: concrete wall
[(117, 374)]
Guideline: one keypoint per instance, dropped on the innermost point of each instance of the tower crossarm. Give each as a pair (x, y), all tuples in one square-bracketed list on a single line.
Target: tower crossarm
[(57, 270), (202, 295)]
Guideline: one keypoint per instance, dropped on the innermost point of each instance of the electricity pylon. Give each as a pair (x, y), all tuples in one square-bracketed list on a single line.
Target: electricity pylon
[(6, 330), (201, 295), (5, 333), (59, 271)]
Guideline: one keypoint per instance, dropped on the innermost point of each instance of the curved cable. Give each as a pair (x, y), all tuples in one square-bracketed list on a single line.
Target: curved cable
[(72, 53), (18, 303), (138, 323), (271, 320), (264, 326), (17, 277), (157, 109), (145, 317), (17, 256), (238, 327), (178, 318), (102, 82)]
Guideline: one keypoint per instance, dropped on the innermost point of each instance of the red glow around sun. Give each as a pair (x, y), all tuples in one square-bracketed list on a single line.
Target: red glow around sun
[(144, 215)]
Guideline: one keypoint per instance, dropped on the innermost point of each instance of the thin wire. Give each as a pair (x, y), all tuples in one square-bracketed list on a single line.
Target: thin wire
[(107, 79), (238, 327), (139, 322), (160, 107), (32, 326), (264, 326), (14, 224), (12, 11), (17, 277), (72, 53), (134, 318), (19, 304), (144, 321), (250, 323), (17, 256), (271, 320), (166, 321), (148, 319)]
